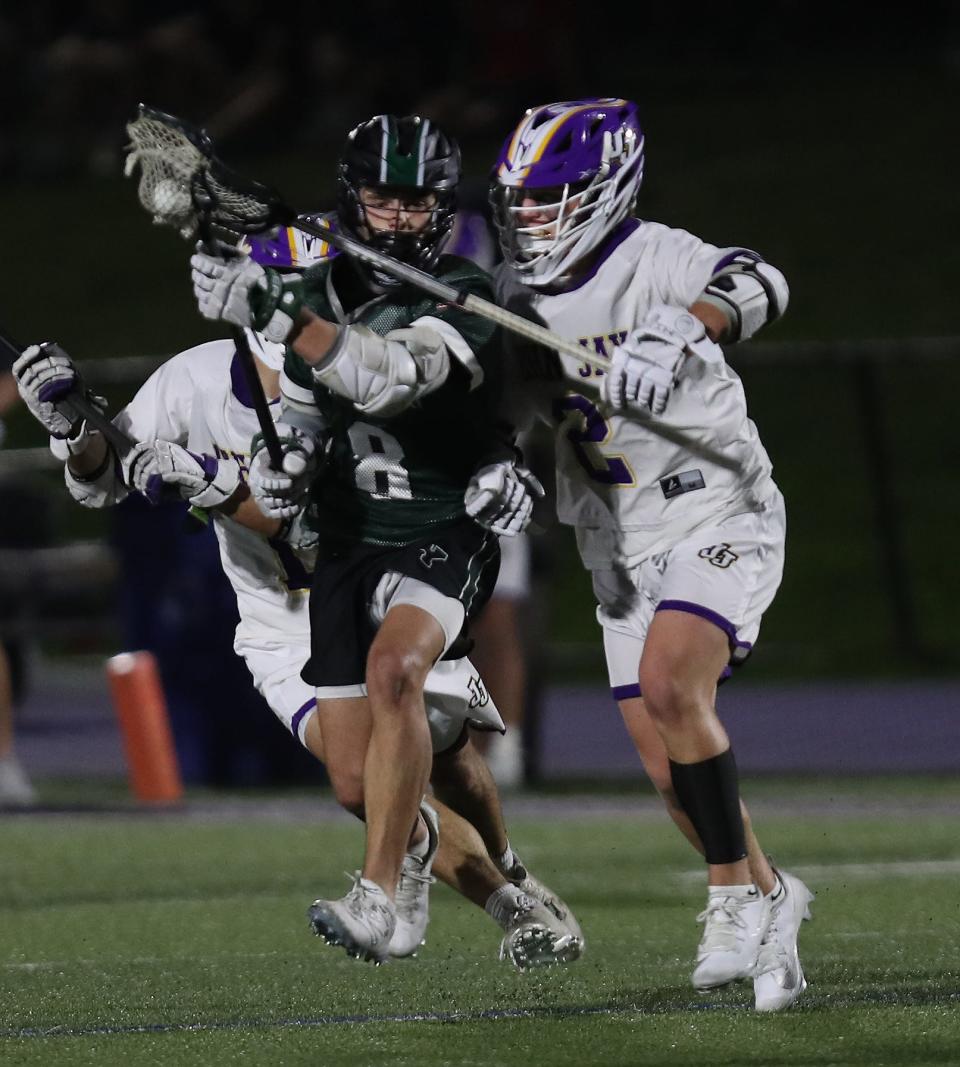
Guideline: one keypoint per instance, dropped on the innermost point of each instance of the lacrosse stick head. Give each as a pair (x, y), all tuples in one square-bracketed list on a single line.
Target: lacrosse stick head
[(170, 153), (184, 185)]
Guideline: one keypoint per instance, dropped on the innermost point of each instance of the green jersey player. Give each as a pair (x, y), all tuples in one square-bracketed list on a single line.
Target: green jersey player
[(399, 394)]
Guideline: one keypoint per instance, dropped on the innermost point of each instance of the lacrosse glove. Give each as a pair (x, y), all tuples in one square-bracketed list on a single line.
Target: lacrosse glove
[(47, 378), (235, 289), (501, 496), (644, 369), (202, 480), (282, 494)]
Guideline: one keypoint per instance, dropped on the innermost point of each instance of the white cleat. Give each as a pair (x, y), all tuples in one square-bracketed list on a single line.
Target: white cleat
[(734, 923), (779, 978), (413, 893), (533, 887), (15, 788), (536, 938), (362, 922)]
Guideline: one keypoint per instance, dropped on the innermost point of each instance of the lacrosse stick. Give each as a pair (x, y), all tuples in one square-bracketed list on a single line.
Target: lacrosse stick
[(93, 415), (172, 155), (187, 181)]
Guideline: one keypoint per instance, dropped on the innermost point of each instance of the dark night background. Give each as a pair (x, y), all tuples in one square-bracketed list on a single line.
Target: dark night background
[(824, 136)]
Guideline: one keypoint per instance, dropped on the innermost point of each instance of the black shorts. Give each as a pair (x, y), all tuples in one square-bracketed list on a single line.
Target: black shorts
[(460, 561)]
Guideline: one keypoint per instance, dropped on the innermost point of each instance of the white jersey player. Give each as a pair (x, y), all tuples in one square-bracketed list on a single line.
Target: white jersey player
[(685, 547), (196, 420)]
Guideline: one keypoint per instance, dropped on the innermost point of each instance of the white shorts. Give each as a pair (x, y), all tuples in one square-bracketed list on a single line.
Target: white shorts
[(513, 581), (276, 674), (454, 692), (727, 573)]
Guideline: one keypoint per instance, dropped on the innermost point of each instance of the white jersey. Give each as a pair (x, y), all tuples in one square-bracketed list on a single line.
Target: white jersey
[(200, 399), (628, 492)]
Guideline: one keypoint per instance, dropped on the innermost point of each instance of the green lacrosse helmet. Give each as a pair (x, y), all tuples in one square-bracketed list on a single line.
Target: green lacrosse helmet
[(402, 155)]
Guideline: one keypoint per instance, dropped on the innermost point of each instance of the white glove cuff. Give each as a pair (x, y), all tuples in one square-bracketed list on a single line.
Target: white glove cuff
[(223, 486), (676, 325)]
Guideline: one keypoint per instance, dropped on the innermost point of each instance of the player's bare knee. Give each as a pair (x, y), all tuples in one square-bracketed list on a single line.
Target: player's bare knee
[(393, 673), (668, 699)]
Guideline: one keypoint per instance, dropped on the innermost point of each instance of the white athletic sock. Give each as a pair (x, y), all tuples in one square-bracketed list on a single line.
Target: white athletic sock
[(774, 895), (506, 859), (733, 891), (504, 903)]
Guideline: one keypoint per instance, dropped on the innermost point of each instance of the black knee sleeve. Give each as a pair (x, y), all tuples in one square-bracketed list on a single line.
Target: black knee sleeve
[(709, 793)]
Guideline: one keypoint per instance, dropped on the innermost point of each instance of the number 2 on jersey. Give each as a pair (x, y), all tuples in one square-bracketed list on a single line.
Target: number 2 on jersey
[(586, 430)]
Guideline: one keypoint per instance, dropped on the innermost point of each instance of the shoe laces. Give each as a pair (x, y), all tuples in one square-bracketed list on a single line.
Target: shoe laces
[(724, 924), (521, 910), (367, 905), (410, 889)]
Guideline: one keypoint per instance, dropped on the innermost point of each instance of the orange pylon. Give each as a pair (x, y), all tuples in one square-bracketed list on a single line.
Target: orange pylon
[(147, 739)]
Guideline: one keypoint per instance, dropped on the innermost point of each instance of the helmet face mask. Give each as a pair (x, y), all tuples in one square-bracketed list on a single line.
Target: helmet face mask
[(396, 188), (566, 177)]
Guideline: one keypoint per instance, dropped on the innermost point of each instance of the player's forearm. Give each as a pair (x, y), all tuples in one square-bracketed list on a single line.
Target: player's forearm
[(8, 392), (313, 338), (715, 322), (92, 459), (242, 508)]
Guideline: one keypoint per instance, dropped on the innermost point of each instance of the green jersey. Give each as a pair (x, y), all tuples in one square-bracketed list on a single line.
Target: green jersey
[(390, 481)]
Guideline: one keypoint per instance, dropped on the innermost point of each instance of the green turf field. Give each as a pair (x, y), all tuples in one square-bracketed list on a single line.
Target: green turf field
[(180, 938)]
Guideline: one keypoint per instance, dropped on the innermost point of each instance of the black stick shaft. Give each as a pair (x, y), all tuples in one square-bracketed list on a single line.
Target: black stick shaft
[(247, 364)]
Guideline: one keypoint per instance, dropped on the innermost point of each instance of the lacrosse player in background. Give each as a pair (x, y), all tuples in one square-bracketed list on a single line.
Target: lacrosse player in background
[(685, 555), (15, 787), (195, 420)]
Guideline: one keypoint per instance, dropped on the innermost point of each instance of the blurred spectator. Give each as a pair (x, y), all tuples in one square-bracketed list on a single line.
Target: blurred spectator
[(500, 654), (15, 787)]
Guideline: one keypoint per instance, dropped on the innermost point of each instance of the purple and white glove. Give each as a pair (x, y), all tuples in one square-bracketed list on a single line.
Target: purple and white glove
[(282, 494), (47, 378), (643, 370), (200, 479), (501, 496)]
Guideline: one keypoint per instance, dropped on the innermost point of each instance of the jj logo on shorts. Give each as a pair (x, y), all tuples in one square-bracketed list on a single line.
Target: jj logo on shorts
[(719, 555), (478, 693), (432, 554)]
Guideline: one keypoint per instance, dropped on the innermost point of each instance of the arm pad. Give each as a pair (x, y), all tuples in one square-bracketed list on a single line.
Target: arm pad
[(750, 292), (384, 375)]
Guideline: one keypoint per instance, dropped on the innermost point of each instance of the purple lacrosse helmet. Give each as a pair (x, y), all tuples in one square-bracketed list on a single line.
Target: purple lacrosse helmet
[(292, 249), (581, 161)]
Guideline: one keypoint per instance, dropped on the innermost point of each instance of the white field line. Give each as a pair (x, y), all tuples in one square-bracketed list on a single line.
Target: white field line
[(140, 961), (832, 872)]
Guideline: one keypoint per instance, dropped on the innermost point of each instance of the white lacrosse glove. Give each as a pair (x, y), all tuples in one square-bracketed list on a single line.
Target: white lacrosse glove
[(46, 377), (237, 290), (201, 480), (501, 496), (282, 494), (643, 370)]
